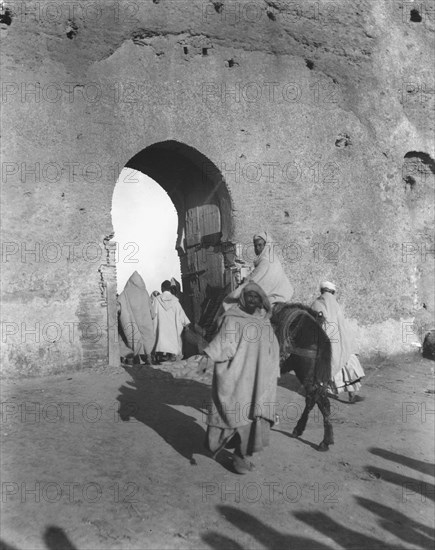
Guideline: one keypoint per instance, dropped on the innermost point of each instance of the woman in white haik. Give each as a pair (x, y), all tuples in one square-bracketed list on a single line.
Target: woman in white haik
[(346, 370)]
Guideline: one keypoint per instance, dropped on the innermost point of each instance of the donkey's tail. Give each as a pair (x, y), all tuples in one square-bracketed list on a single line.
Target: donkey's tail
[(322, 371)]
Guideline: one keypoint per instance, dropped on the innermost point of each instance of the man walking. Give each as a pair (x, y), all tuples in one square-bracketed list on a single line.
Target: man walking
[(170, 320), (346, 370)]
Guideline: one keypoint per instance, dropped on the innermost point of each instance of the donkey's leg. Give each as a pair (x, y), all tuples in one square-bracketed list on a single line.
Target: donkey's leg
[(302, 423), (303, 368), (325, 408)]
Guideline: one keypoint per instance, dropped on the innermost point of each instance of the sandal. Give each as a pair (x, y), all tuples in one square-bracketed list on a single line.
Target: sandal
[(356, 399), (241, 465)]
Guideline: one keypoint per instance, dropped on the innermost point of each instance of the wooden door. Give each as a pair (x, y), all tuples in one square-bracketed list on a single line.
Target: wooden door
[(203, 278)]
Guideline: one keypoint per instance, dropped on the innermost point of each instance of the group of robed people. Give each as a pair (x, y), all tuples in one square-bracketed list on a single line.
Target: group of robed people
[(246, 357), (245, 351), (151, 327)]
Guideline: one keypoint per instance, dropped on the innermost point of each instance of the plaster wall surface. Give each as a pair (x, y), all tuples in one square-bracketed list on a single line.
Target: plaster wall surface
[(308, 113)]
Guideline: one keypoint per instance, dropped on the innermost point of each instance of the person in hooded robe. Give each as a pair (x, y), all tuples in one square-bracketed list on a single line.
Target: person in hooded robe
[(245, 353), (346, 370), (268, 273), (170, 320), (135, 319)]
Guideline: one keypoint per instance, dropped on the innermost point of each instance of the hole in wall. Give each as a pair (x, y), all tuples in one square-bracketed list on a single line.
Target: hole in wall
[(309, 64), (415, 16), (185, 50), (218, 6), (409, 180), (204, 51), (6, 17), (417, 168), (271, 15), (425, 159)]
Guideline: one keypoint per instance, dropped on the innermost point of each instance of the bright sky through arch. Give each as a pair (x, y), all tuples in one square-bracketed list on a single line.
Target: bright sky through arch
[(144, 216)]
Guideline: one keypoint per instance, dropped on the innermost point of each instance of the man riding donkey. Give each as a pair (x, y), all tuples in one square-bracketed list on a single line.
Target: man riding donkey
[(305, 349), (268, 273), (346, 370)]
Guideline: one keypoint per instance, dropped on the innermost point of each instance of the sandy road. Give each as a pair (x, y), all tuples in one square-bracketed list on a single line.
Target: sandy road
[(115, 460)]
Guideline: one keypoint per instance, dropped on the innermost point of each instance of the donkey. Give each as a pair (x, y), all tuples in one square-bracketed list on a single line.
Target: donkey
[(306, 349)]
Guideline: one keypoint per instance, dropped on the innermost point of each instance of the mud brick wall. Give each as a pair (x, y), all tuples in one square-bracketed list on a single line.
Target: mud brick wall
[(319, 115)]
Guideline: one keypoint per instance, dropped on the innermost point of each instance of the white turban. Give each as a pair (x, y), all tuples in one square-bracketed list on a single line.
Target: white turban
[(261, 235), (328, 286)]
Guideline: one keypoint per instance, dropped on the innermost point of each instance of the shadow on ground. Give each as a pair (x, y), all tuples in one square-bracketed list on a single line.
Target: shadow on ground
[(149, 398), (265, 535), (54, 538), (418, 465), (403, 527), (390, 520), (395, 523)]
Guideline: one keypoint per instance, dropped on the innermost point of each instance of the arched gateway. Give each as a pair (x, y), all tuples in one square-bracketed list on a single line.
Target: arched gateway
[(205, 227)]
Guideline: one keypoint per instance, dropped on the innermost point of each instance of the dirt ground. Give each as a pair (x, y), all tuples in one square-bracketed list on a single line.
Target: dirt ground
[(115, 460)]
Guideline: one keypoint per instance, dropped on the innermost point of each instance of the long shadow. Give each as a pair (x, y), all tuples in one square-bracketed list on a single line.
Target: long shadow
[(400, 525), (148, 398), (409, 484), (267, 536), (221, 542), (54, 537), (345, 537), (418, 465)]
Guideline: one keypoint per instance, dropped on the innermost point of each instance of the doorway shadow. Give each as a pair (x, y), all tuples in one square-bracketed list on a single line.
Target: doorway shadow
[(150, 398)]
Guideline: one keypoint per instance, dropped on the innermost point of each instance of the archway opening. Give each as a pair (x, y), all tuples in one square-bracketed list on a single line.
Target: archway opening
[(204, 227), (145, 223)]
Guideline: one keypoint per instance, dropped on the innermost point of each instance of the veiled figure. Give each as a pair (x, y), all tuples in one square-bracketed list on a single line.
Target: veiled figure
[(135, 317)]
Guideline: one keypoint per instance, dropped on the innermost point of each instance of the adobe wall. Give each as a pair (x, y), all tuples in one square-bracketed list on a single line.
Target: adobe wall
[(314, 107)]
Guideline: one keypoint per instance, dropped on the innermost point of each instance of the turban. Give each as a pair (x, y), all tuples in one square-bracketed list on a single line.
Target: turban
[(262, 235), (328, 286), (253, 287)]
